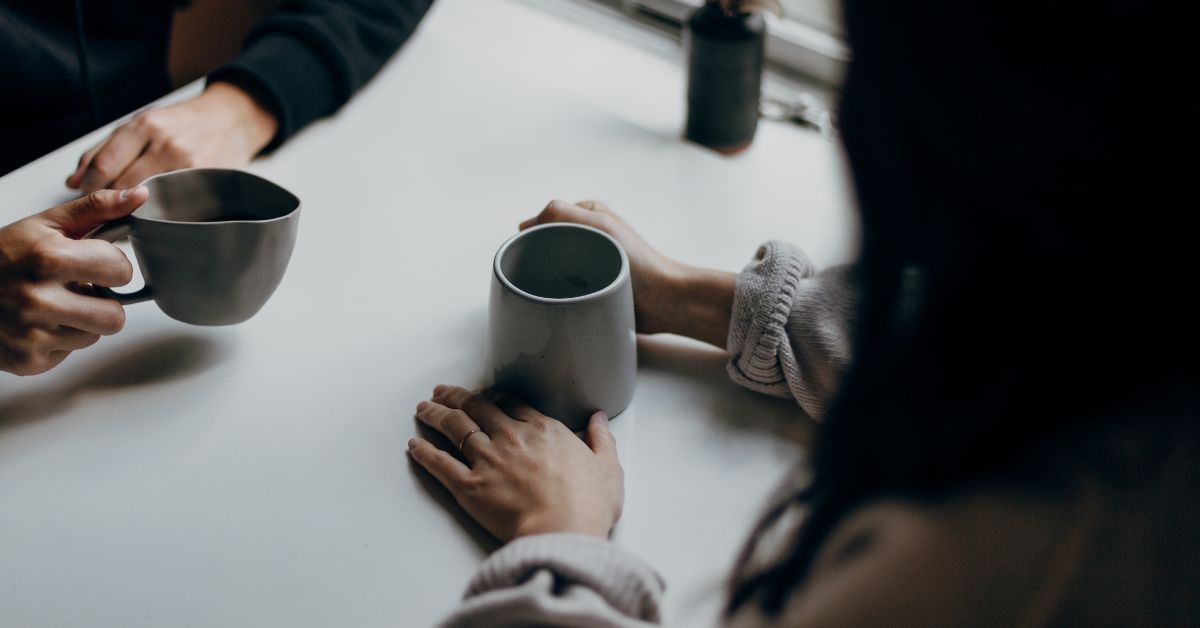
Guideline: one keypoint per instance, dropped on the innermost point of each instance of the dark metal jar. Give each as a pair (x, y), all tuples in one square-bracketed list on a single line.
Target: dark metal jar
[(725, 66)]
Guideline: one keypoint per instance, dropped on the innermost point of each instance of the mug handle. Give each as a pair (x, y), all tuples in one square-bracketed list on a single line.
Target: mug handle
[(111, 232)]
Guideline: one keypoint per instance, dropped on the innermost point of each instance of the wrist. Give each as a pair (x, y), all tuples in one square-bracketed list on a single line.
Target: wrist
[(535, 525), (253, 121), (700, 303)]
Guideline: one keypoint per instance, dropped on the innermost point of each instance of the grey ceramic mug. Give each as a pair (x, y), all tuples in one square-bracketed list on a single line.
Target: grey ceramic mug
[(212, 244), (561, 329)]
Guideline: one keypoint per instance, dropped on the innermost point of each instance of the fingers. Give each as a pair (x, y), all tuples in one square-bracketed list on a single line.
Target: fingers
[(53, 359), (160, 156), (455, 425), (441, 465), (50, 305), (481, 410), (67, 339), (84, 261), (25, 366), (590, 213), (76, 178), (118, 153), (600, 439), (513, 407), (151, 162), (84, 214), (35, 351)]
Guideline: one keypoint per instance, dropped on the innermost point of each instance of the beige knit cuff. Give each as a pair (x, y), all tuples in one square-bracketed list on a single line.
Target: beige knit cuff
[(627, 583), (758, 342)]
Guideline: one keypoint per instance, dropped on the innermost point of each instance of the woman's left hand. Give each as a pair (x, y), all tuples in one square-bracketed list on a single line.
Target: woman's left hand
[(526, 473)]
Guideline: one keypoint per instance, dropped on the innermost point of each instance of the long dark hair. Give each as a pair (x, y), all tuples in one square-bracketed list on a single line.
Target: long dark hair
[(1025, 251)]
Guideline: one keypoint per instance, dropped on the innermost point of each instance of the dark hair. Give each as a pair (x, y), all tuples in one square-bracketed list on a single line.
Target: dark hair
[(1024, 262)]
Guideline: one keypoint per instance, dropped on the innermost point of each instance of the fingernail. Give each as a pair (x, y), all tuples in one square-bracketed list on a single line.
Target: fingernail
[(439, 389), (412, 443), (131, 191), (601, 417), (421, 406)]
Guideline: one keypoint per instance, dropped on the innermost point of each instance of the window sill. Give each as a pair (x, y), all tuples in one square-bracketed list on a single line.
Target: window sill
[(792, 46)]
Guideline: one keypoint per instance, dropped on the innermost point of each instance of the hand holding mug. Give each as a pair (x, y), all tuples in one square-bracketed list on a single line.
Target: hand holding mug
[(47, 304), (525, 473), (652, 272), (669, 296)]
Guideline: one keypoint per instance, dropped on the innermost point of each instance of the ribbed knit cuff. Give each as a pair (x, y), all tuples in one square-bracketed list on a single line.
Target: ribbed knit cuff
[(762, 302), (623, 580)]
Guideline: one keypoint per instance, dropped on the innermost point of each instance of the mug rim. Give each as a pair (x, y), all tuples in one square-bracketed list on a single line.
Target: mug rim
[(613, 286), (291, 212)]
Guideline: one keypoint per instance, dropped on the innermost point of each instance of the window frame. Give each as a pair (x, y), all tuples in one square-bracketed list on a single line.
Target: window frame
[(791, 44)]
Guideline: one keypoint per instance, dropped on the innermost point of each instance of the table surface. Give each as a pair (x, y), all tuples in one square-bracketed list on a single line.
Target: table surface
[(256, 475)]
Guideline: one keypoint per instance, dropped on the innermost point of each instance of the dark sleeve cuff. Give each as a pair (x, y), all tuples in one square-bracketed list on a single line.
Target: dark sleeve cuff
[(288, 77)]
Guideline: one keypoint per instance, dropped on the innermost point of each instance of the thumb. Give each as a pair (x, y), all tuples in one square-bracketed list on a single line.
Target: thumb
[(83, 214), (600, 439)]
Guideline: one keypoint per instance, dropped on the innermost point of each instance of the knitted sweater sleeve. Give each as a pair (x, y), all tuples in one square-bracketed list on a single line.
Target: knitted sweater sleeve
[(789, 335), (561, 580)]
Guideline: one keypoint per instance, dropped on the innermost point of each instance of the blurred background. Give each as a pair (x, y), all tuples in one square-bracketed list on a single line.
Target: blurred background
[(807, 42)]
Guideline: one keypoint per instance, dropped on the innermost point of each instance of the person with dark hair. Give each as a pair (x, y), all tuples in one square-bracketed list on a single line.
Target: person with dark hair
[(1006, 377), (73, 67)]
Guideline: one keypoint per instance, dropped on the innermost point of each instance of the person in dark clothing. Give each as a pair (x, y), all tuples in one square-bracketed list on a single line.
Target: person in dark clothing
[(76, 66)]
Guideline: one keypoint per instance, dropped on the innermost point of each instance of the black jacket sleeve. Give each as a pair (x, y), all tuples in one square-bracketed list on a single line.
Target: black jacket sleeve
[(306, 59)]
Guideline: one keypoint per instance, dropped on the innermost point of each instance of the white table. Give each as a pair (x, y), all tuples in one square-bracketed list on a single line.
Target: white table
[(256, 475)]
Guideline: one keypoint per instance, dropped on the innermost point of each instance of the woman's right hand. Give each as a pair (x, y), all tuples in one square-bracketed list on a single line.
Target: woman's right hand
[(669, 297), (47, 308)]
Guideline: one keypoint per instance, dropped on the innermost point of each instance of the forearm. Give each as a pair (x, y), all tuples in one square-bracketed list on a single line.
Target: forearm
[(786, 329), (697, 303), (308, 59)]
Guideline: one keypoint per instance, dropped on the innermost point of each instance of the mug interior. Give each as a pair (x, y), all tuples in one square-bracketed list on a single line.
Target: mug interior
[(215, 195), (561, 262)]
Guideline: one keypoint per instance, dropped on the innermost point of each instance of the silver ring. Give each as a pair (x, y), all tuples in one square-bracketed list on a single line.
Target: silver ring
[(464, 438)]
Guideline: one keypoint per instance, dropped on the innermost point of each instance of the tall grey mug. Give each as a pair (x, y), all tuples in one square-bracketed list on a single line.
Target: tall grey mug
[(561, 330), (212, 244)]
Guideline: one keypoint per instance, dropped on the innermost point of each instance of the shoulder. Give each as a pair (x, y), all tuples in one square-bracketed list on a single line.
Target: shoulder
[(979, 559)]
